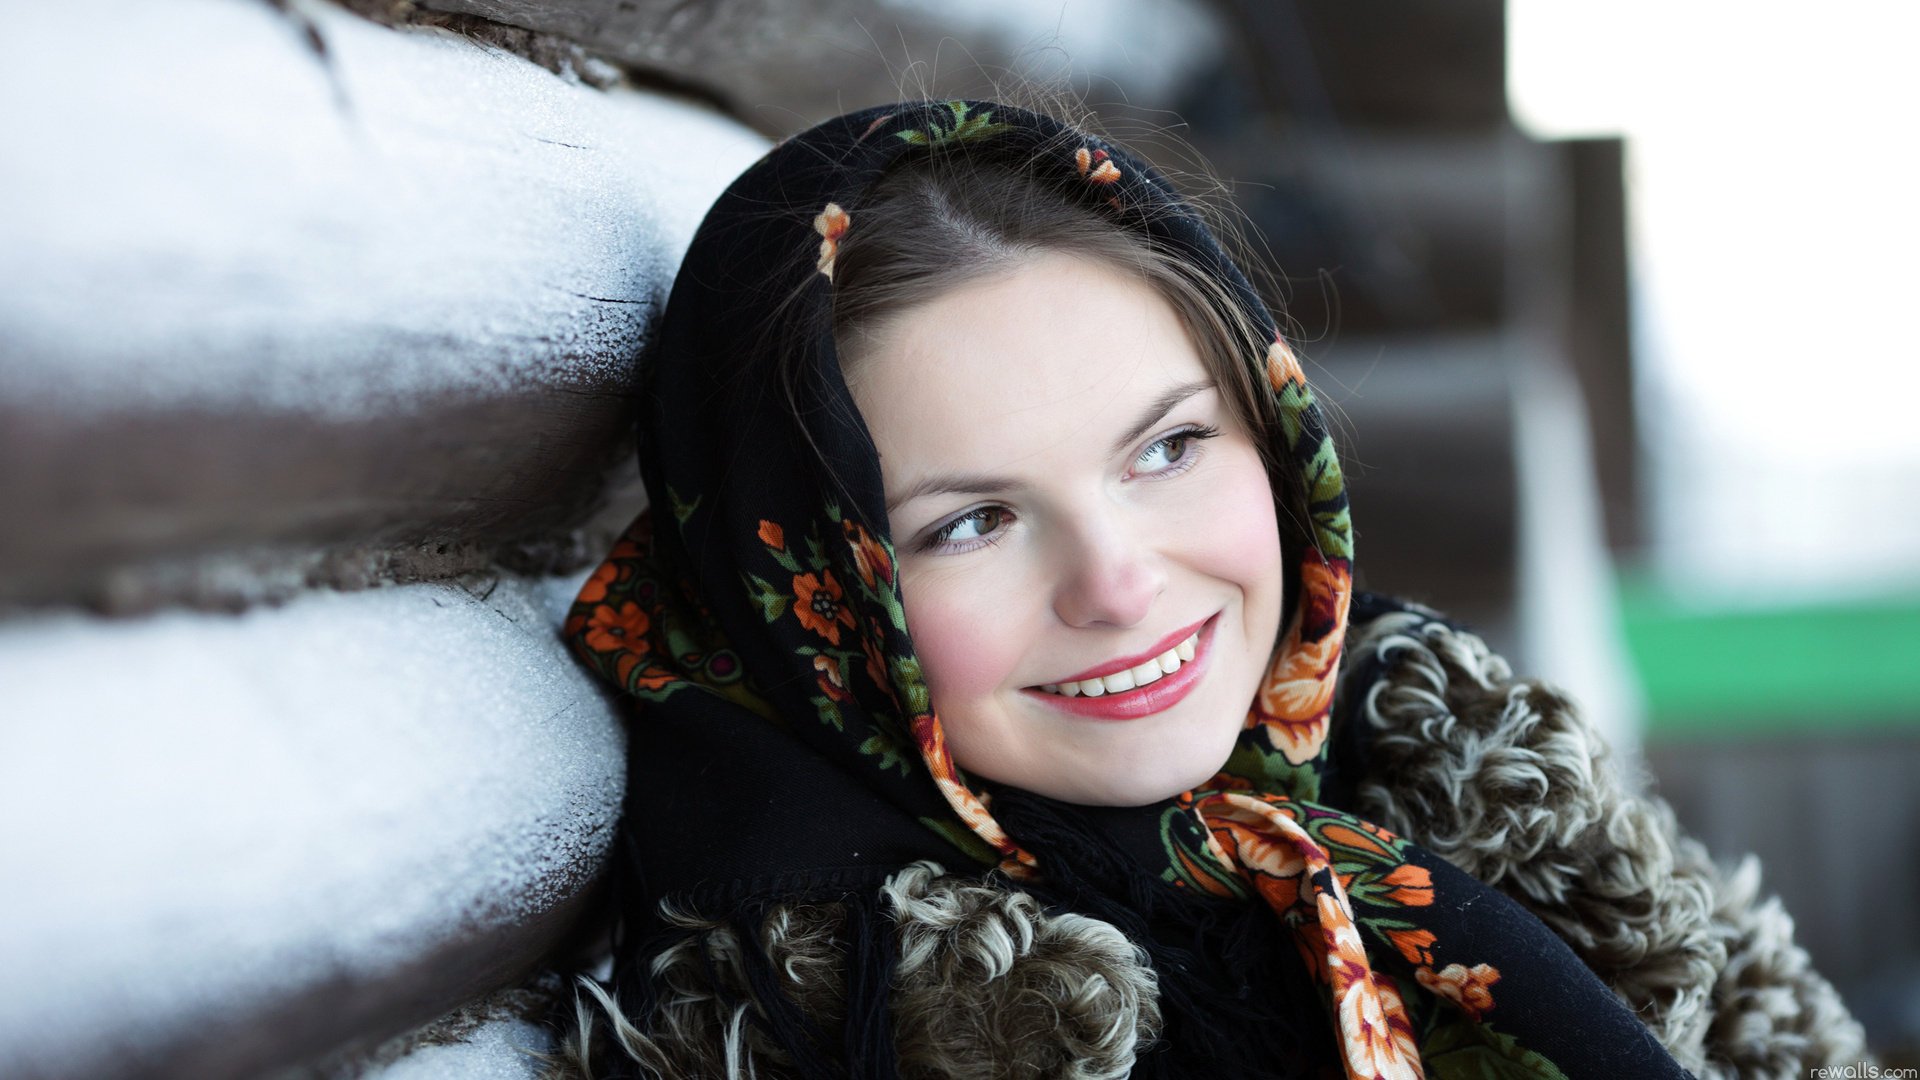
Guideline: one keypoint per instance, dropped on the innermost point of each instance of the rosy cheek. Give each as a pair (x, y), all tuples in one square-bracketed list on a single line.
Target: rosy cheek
[(1244, 544), (1253, 532), (963, 648)]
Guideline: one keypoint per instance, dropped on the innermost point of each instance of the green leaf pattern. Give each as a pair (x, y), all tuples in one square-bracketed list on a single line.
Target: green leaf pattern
[(964, 125)]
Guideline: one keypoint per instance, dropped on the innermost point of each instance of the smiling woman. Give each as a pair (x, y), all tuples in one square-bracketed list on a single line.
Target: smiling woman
[(985, 677), (1076, 532)]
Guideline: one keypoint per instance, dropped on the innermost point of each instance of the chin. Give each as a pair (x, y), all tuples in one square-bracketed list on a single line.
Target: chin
[(1146, 787)]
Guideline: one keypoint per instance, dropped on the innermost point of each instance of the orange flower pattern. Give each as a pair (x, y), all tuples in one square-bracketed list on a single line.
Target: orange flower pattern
[(1375, 1033), (1282, 859), (966, 804), (877, 668), (610, 628), (1469, 988), (831, 682), (1096, 165), (820, 605), (1415, 945), (604, 575), (832, 224), (1283, 367), (638, 673), (1412, 886), (622, 626), (1295, 701), (872, 560)]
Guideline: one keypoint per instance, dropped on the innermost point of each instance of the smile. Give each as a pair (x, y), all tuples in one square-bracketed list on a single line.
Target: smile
[(1147, 671), (1136, 686)]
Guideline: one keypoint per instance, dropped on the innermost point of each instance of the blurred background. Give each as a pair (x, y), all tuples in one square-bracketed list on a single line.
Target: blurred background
[(317, 324)]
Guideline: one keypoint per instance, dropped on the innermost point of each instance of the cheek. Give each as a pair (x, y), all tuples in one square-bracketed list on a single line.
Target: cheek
[(1242, 540), (962, 632)]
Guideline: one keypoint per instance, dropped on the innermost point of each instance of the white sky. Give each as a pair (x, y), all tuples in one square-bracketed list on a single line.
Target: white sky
[(1772, 180)]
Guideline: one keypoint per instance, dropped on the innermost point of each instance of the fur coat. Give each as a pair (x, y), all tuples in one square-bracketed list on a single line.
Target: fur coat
[(1501, 776)]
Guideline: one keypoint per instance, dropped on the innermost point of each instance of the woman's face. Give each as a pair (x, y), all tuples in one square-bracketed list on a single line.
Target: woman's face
[(1086, 537)]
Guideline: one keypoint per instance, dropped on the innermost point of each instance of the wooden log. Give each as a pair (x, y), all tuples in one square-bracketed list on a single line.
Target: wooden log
[(261, 306), (1600, 323), (239, 842), (1423, 64), (785, 65), (271, 320), (1385, 233), (1425, 427), (1474, 491)]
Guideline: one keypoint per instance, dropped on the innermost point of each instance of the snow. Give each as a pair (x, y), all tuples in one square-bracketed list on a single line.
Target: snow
[(205, 817), (207, 814), (200, 210), (499, 1050)]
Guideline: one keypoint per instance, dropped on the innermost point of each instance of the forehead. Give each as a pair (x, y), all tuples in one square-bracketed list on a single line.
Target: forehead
[(1056, 349)]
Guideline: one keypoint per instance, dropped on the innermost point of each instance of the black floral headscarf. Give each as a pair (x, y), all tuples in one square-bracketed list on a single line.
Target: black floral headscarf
[(784, 744)]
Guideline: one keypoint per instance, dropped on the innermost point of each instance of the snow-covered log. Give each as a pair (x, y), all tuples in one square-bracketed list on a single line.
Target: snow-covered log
[(274, 317), (264, 302), (236, 842)]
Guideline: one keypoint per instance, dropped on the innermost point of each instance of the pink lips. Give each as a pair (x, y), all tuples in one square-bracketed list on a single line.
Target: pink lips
[(1126, 662), (1157, 696)]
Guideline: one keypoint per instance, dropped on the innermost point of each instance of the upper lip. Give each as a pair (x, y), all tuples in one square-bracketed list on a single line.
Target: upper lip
[(1114, 667)]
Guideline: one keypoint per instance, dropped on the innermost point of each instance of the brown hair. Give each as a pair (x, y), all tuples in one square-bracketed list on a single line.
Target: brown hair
[(934, 222)]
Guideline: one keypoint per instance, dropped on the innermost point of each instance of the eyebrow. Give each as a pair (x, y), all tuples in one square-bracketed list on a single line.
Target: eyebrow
[(1158, 410), (987, 484)]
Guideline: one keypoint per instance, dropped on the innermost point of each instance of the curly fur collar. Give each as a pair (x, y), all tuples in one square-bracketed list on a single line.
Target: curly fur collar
[(1502, 776), (1505, 779)]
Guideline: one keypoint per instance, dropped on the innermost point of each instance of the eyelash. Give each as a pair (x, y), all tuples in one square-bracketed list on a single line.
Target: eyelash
[(940, 540), (1196, 434)]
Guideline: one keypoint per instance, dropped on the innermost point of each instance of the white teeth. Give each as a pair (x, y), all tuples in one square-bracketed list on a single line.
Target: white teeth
[(1120, 681)]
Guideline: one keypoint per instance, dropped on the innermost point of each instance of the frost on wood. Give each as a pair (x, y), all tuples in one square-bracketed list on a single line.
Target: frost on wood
[(213, 819), (258, 303), (769, 55), (213, 215), (503, 1036), (498, 1050)]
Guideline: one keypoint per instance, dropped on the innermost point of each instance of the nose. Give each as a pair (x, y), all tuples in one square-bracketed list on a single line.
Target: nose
[(1107, 577)]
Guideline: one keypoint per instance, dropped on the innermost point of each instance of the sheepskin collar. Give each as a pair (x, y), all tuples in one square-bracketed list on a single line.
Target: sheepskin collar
[(1441, 744)]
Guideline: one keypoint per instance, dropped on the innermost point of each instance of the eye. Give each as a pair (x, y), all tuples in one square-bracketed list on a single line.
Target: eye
[(1173, 454), (978, 526)]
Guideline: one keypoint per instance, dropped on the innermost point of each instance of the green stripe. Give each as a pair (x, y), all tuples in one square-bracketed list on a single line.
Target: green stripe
[(1712, 669)]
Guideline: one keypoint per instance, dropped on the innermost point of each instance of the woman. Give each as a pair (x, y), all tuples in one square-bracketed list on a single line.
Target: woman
[(985, 636)]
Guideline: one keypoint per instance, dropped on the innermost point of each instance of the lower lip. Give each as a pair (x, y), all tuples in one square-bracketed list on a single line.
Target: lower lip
[(1157, 696)]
